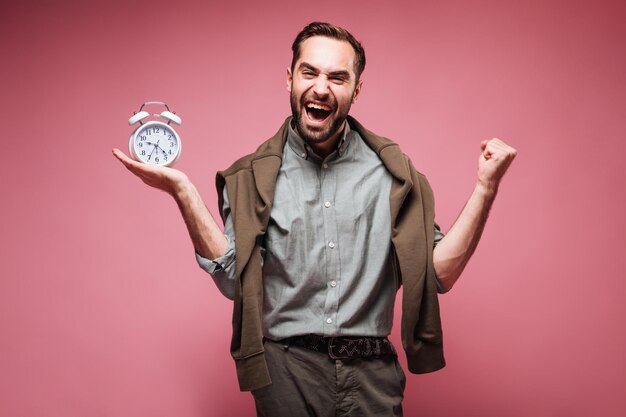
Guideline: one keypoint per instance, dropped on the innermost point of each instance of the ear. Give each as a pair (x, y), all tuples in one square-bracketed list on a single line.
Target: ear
[(289, 79), (357, 90)]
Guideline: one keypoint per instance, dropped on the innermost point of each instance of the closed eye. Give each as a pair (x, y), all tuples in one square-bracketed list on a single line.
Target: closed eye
[(338, 80)]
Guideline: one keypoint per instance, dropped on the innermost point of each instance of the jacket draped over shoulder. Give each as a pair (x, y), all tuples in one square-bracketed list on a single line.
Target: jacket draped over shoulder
[(250, 184)]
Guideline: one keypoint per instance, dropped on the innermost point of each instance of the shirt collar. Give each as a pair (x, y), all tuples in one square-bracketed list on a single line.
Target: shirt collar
[(304, 151)]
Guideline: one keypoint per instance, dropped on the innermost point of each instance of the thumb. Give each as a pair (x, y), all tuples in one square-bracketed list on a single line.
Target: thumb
[(485, 153)]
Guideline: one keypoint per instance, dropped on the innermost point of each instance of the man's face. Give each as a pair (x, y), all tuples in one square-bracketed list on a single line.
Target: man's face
[(322, 88)]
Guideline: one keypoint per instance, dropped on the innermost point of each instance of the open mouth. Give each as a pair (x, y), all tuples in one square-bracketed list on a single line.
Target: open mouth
[(317, 112)]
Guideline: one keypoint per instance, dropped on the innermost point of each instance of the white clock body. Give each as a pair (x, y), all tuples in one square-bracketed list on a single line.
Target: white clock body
[(155, 143)]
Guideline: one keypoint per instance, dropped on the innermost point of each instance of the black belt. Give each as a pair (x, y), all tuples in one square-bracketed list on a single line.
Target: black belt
[(344, 347)]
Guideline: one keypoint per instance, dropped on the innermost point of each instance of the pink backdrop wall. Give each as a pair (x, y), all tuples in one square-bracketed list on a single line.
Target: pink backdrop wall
[(103, 311)]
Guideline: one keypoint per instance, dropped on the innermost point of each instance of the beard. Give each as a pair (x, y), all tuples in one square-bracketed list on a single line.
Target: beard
[(316, 135)]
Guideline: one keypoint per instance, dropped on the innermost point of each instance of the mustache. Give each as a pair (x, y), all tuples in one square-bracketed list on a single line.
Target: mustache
[(329, 101)]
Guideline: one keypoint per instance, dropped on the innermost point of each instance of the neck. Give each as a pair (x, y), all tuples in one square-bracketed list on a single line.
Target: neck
[(325, 148)]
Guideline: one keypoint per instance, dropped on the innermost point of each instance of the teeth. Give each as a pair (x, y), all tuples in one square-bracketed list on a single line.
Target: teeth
[(318, 106)]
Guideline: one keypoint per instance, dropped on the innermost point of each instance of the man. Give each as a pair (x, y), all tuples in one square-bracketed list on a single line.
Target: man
[(321, 225)]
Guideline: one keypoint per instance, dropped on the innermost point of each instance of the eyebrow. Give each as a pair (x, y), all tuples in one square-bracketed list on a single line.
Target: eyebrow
[(340, 73)]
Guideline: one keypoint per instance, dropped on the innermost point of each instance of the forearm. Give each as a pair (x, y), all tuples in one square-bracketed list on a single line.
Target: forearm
[(454, 251), (208, 240)]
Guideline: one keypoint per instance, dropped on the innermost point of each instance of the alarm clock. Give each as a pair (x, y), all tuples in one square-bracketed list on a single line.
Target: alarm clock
[(155, 142)]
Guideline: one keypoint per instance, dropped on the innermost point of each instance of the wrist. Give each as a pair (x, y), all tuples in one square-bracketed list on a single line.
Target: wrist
[(487, 191), (182, 189)]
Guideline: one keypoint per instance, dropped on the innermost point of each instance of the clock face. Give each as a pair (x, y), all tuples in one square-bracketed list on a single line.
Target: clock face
[(155, 143)]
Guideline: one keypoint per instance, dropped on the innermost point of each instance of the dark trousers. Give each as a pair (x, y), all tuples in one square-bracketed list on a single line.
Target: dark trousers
[(309, 383)]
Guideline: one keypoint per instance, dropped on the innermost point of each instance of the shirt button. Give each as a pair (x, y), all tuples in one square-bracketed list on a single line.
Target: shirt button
[(329, 320), (333, 283), (324, 165), (327, 204), (303, 154), (331, 244)]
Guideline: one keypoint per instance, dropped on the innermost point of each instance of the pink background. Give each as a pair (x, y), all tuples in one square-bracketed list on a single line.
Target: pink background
[(103, 310)]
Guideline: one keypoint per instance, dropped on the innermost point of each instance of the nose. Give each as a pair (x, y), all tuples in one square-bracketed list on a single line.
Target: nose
[(321, 87)]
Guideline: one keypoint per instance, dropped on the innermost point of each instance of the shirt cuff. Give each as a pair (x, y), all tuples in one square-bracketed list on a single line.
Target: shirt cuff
[(218, 264)]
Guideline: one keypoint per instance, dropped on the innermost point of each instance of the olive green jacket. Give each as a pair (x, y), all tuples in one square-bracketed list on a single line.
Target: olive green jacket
[(250, 183)]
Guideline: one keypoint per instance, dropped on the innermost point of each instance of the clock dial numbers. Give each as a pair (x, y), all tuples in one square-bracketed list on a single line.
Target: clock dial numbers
[(156, 144)]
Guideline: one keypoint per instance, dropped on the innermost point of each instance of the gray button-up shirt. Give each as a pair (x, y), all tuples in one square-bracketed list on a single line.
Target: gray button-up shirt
[(327, 264)]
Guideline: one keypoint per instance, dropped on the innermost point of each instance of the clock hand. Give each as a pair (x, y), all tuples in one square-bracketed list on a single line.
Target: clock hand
[(162, 150), (156, 145), (153, 149)]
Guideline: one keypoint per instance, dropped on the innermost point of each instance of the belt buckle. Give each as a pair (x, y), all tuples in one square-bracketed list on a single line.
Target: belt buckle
[(331, 353)]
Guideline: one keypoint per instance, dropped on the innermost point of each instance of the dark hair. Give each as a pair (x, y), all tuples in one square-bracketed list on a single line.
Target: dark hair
[(330, 31)]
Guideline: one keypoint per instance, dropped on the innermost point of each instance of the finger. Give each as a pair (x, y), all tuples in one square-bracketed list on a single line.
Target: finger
[(486, 151), (489, 148), (128, 162), (121, 156), (501, 150)]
